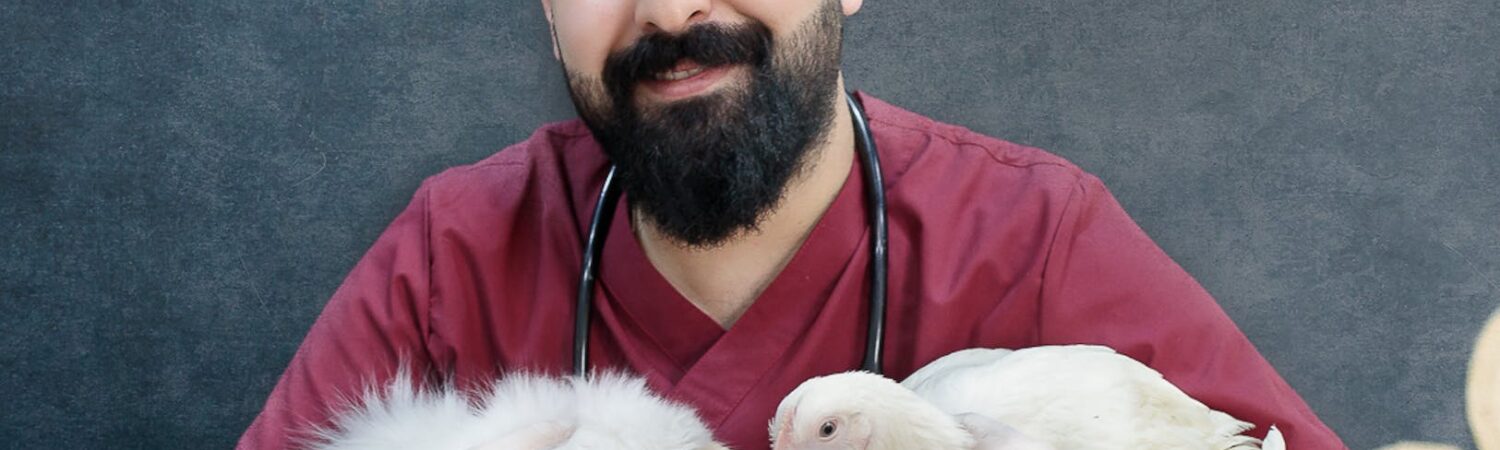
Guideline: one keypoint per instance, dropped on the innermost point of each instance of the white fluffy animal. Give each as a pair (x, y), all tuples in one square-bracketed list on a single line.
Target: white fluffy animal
[(609, 411), (1057, 397)]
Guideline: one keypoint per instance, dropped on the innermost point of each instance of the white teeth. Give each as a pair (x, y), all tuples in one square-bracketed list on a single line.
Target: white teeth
[(674, 76)]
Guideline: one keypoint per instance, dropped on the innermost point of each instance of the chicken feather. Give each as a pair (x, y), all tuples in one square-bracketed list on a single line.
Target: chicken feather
[(1079, 397)]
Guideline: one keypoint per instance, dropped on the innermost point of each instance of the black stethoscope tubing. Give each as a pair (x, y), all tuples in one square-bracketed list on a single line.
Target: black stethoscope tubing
[(609, 195)]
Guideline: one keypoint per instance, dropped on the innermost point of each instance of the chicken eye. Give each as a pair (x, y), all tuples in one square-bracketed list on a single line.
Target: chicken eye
[(826, 431)]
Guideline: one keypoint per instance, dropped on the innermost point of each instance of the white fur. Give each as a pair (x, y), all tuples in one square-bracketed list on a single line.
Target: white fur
[(619, 412), (607, 411), (402, 416), (1273, 440)]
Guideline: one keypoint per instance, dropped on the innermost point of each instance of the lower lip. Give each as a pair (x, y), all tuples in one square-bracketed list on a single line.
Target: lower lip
[(686, 87)]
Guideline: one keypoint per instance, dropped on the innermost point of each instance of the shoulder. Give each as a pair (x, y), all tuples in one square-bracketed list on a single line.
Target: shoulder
[(545, 168), (934, 159), (543, 153)]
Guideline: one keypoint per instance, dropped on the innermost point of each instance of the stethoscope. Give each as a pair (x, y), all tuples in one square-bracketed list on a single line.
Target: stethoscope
[(609, 194)]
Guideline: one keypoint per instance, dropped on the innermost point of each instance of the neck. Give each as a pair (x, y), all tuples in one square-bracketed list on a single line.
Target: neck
[(723, 281), (921, 425)]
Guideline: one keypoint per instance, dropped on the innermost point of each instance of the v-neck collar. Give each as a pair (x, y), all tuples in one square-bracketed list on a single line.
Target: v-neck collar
[(691, 338)]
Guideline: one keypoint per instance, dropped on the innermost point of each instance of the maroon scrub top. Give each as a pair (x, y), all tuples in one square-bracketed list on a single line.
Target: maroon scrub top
[(992, 244)]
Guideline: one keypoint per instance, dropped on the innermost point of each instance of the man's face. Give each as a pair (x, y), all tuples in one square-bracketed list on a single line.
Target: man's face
[(708, 108)]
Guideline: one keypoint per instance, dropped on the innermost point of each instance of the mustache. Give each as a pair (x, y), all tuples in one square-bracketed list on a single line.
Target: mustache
[(708, 45)]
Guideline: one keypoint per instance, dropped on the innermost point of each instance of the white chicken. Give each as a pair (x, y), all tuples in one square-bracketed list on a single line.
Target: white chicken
[(1055, 397), (608, 411)]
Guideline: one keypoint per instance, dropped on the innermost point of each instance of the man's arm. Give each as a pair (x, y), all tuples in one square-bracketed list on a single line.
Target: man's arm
[(1106, 282), (376, 322)]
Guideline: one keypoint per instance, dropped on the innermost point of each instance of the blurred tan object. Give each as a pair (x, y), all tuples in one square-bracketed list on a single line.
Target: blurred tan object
[(1484, 387), (1417, 446)]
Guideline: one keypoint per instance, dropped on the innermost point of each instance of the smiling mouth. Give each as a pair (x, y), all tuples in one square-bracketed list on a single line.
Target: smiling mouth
[(685, 79), (674, 75)]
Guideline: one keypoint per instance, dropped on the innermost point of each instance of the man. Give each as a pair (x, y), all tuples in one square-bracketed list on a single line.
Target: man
[(738, 267)]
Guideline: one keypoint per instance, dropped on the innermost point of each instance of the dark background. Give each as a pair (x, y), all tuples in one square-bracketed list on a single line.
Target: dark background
[(183, 184)]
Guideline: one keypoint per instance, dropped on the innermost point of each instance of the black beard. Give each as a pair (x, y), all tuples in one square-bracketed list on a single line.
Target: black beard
[(705, 169)]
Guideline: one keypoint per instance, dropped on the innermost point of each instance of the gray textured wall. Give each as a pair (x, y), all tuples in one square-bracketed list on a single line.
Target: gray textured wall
[(182, 185)]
